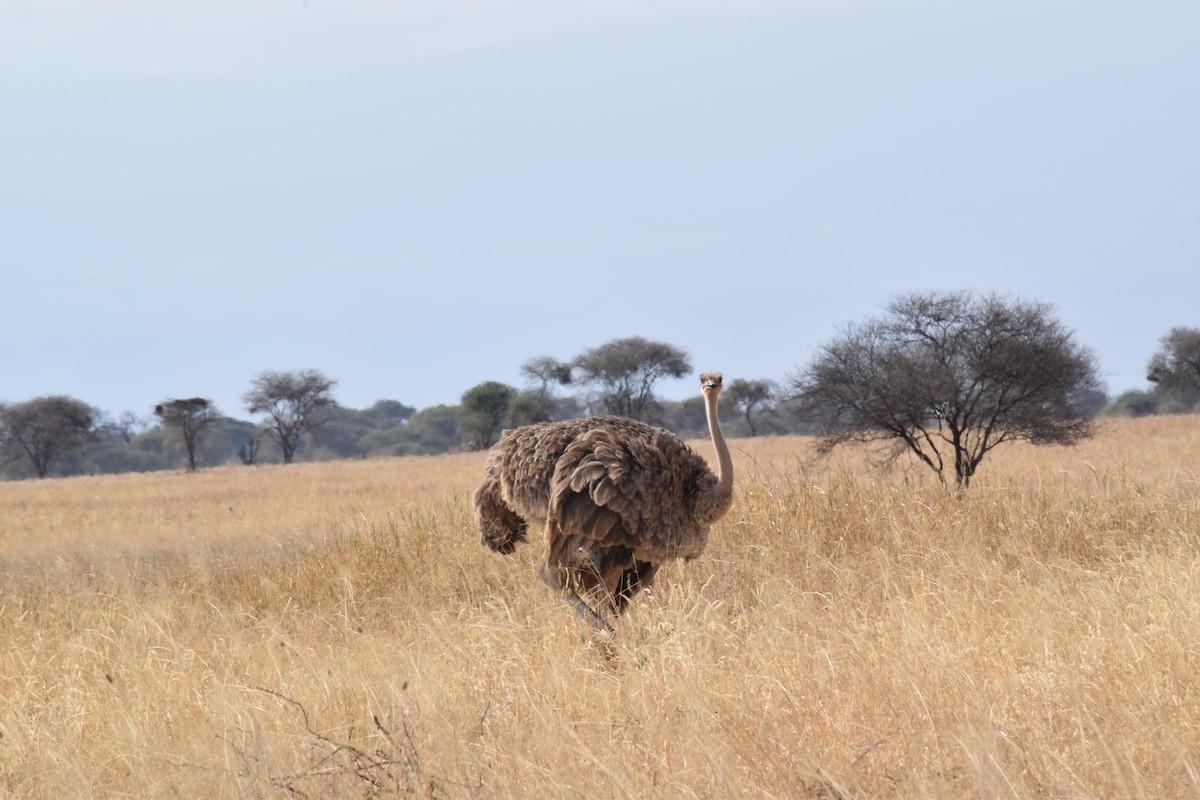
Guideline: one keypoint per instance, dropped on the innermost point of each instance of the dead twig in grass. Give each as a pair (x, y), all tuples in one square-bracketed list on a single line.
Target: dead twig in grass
[(394, 770)]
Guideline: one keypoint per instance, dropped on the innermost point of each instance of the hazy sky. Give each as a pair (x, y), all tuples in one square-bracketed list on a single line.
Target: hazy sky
[(417, 196)]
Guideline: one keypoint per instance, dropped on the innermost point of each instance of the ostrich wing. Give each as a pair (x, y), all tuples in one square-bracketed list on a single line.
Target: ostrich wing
[(626, 484)]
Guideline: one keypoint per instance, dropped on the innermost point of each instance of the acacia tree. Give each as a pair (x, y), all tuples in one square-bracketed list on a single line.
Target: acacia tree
[(190, 417), (484, 410), (625, 370), (948, 377), (536, 404), (295, 403), (1175, 367), (43, 429), (746, 397)]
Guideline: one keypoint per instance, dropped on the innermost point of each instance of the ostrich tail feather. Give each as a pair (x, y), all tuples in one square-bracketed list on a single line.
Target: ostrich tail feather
[(500, 528)]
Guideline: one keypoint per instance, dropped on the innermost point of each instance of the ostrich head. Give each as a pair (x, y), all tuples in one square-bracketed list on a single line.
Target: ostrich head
[(710, 383)]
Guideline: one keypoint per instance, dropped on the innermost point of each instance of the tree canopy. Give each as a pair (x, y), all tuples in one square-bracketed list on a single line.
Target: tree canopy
[(625, 371), (748, 397), (545, 370), (1174, 368), (948, 377), (190, 417), (538, 403), (44, 429), (484, 412), (295, 403)]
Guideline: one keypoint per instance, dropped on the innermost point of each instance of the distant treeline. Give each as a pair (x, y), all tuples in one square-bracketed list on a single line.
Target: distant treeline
[(130, 443), (301, 420), (387, 428)]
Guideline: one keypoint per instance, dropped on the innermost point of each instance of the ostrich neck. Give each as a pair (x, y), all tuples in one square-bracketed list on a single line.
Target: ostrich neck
[(724, 485)]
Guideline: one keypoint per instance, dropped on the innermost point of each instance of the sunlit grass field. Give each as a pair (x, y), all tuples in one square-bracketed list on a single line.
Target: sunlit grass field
[(853, 630)]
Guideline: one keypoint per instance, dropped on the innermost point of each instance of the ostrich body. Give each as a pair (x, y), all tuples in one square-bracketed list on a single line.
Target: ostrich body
[(615, 497)]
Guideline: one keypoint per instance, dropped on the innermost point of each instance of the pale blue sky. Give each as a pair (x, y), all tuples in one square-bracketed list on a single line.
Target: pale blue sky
[(414, 197)]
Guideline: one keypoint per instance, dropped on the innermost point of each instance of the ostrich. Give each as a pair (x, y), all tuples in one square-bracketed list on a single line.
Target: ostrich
[(616, 498)]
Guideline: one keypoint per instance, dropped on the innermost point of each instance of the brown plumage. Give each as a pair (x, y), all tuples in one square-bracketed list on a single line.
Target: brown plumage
[(615, 498)]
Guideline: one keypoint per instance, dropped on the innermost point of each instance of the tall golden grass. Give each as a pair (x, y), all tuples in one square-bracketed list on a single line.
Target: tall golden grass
[(336, 630)]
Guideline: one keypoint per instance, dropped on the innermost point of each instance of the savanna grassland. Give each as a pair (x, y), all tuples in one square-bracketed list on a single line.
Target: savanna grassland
[(336, 630)]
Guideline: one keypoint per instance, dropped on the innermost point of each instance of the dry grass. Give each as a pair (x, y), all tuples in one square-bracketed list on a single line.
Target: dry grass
[(336, 631)]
